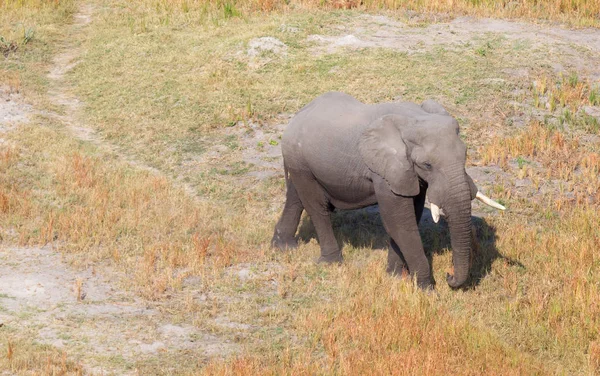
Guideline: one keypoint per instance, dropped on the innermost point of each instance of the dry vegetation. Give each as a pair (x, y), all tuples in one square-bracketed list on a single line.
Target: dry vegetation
[(575, 12), (21, 356), (164, 81)]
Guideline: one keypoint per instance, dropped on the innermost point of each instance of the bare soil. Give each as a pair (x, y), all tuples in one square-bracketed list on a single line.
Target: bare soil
[(86, 312)]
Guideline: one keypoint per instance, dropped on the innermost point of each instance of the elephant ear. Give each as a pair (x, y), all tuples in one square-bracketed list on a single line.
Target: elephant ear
[(385, 153), (472, 187), (434, 107)]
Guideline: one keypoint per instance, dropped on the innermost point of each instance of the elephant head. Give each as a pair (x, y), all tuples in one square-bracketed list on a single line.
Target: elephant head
[(426, 150)]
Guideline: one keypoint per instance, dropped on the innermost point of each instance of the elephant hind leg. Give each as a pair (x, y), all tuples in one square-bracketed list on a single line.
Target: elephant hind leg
[(285, 230), (318, 207)]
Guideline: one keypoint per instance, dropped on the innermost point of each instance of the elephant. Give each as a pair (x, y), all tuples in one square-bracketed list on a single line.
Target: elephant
[(341, 153)]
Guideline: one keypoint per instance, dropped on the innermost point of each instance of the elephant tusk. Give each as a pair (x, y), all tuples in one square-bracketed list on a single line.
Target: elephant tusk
[(435, 212), (486, 200)]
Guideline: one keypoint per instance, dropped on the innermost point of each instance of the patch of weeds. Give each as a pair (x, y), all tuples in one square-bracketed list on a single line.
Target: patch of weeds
[(566, 118), (236, 169), (25, 356), (486, 48), (239, 168), (522, 162), (552, 102), (573, 79), (466, 94), (7, 47), (548, 121), (273, 143), (581, 121), (229, 10), (594, 96), (588, 123), (536, 99), (231, 142), (482, 51), (28, 35)]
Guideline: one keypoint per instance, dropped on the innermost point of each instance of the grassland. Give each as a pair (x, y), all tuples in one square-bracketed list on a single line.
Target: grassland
[(163, 190)]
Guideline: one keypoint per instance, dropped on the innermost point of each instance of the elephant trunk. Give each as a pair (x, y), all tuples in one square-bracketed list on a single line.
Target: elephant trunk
[(459, 221)]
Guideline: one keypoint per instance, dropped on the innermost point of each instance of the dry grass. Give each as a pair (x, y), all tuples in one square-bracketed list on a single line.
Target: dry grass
[(564, 92), (575, 12), (560, 153), (23, 357), (581, 12), (384, 327), (81, 203), (163, 84)]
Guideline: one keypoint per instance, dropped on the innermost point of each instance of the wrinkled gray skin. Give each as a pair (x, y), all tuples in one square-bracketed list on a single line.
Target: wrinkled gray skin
[(341, 153)]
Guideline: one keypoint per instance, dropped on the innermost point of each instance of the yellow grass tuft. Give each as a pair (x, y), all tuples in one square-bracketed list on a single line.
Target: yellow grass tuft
[(594, 351), (24, 357), (566, 91)]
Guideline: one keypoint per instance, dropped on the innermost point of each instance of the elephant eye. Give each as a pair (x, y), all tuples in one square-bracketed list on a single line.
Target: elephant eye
[(427, 165)]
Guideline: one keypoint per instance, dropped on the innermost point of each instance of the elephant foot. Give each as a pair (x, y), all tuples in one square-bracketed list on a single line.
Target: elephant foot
[(401, 271), (283, 244), (398, 270), (426, 285), (334, 258)]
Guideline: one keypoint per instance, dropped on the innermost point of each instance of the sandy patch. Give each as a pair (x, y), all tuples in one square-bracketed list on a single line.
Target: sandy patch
[(86, 310)]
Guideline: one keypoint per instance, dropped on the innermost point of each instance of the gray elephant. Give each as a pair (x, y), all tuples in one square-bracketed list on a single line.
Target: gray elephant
[(341, 153)]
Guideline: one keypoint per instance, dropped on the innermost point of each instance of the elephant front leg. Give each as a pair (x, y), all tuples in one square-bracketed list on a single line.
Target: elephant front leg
[(396, 264), (399, 219)]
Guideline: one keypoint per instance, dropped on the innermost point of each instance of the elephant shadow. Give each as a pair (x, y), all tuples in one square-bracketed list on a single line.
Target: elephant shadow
[(363, 229)]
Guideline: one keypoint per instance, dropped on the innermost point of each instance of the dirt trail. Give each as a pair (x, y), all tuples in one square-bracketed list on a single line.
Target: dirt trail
[(83, 311), (60, 94)]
